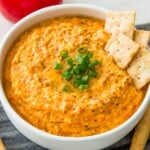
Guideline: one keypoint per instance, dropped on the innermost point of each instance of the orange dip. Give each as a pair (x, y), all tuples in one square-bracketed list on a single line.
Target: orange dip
[(34, 87)]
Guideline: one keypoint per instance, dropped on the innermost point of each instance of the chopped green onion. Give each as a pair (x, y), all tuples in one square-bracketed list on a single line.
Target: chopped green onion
[(64, 54), (86, 59), (82, 49), (79, 59), (70, 68), (90, 54), (76, 83), (67, 75), (83, 86), (78, 77), (66, 88), (82, 59), (76, 70), (92, 73), (81, 80), (96, 62), (93, 64), (80, 69), (57, 66), (85, 79), (69, 61)]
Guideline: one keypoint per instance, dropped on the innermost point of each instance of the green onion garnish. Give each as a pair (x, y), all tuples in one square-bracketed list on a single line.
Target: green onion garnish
[(90, 54), (64, 54), (76, 70), (83, 86), (93, 64), (82, 49), (92, 73), (80, 69), (69, 61), (67, 75), (57, 66), (66, 88), (76, 83), (85, 79)]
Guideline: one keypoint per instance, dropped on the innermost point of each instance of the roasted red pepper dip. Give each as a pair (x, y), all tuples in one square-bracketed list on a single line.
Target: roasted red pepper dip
[(34, 85)]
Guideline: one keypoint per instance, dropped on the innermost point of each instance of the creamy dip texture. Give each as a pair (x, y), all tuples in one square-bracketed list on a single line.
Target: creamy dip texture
[(34, 87)]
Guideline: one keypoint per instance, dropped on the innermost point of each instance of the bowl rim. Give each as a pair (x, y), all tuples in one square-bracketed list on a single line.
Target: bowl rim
[(7, 105)]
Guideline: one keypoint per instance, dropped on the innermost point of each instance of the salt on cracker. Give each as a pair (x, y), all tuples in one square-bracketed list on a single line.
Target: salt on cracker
[(123, 21), (122, 49), (142, 38), (139, 69)]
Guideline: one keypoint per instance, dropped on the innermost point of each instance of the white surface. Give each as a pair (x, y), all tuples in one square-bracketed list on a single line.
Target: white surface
[(48, 140), (142, 7)]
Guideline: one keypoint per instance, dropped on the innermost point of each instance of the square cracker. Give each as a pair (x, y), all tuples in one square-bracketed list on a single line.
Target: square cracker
[(142, 38), (122, 49), (139, 69), (123, 21)]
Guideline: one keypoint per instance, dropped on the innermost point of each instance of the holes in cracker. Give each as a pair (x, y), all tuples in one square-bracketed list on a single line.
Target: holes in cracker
[(118, 42), (120, 61), (139, 67), (138, 78)]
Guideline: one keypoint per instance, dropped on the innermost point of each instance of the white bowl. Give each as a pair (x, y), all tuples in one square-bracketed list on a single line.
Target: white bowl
[(40, 137)]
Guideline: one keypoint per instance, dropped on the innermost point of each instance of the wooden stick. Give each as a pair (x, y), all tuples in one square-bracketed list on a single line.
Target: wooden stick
[(2, 147), (142, 132)]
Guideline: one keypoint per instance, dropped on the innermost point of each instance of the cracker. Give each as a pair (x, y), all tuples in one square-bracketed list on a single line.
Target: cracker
[(142, 38), (123, 21), (122, 49), (139, 69)]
